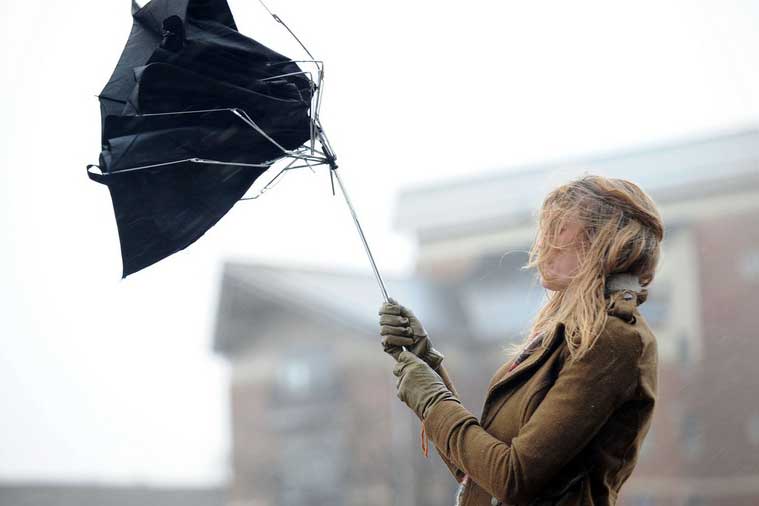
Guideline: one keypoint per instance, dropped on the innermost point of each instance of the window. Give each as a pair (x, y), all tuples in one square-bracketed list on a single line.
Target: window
[(296, 376), (695, 500), (648, 443), (643, 500), (752, 428), (313, 465), (749, 265), (658, 307), (500, 299), (304, 374), (675, 319), (692, 435), (682, 350), (502, 311)]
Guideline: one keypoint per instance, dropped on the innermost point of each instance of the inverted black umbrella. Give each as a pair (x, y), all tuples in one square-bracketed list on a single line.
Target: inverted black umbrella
[(192, 115)]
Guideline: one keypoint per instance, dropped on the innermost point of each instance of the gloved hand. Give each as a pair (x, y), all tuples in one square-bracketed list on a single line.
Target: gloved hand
[(418, 385), (400, 327)]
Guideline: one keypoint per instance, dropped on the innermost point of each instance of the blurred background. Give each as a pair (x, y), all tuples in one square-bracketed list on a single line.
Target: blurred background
[(247, 369)]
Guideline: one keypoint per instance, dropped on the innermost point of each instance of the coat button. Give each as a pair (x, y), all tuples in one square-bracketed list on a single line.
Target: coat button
[(494, 502)]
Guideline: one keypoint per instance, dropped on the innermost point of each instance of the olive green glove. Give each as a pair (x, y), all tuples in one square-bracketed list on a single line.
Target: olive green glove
[(400, 327), (418, 385)]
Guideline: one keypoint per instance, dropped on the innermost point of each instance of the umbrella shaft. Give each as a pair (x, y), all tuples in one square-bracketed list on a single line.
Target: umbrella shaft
[(363, 239)]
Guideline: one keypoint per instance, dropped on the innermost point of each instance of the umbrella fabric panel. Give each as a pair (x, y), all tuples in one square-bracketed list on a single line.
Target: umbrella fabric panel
[(159, 212), (139, 141), (227, 55), (152, 14), (208, 47), (165, 88)]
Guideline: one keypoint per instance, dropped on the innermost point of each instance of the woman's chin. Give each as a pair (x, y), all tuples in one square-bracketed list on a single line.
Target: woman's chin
[(549, 284)]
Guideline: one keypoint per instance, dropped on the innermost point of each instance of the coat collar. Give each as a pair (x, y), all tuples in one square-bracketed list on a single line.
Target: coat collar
[(503, 375), (626, 282), (624, 294)]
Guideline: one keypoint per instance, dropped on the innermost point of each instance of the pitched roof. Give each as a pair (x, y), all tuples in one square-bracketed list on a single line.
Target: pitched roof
[(667, 171), (346, 298), (86, 494)]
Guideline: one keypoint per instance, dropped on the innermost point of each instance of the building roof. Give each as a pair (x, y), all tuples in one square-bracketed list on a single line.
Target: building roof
[(689, 168), (347, 298), (84, 494)]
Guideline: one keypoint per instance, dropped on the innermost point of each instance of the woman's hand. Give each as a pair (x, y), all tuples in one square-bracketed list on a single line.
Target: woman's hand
[(400, 327), (418, 385)]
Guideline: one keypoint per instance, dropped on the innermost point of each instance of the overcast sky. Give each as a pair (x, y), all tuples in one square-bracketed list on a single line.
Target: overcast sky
[(113, 380)]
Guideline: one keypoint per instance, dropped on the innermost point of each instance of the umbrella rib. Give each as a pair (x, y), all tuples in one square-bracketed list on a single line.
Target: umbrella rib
[(243, 115), (246, 118), (279, 20), (303, 72), (318, 95), (308, 149), (192, 160), (289, 166), (237, 164), (269, 183), (186, 112)]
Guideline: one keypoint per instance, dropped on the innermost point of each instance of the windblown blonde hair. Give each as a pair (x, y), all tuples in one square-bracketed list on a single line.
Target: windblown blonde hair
[(621, 233)]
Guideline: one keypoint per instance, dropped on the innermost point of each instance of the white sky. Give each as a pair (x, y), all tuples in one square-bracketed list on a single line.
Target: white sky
[(111, 380)]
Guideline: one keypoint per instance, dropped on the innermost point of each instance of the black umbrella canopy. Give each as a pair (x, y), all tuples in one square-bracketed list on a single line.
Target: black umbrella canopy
[(193, 113)]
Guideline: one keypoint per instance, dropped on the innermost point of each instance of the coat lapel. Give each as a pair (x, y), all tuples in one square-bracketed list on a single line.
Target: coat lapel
[(503, 376)]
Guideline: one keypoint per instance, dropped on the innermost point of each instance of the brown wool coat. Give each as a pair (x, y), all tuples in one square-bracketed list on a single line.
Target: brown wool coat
[(552, 432)]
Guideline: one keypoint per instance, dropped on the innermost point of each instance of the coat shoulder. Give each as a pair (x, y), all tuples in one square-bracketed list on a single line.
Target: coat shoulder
[(619, 340), (622, 321), (622, 336)]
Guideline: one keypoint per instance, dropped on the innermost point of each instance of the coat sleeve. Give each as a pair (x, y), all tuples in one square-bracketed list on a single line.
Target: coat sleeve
[(583, 397), (457, 473)]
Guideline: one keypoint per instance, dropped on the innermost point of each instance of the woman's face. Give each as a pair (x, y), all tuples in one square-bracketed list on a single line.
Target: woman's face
[(564, 260)]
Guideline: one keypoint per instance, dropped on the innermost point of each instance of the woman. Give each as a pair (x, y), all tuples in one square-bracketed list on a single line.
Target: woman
[(565, 416)]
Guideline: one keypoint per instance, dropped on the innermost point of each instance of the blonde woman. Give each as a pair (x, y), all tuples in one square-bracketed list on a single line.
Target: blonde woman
[(565, 416)]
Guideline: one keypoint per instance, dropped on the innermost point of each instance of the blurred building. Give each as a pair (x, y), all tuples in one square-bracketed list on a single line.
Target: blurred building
[(85, 494), (315, 418)]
